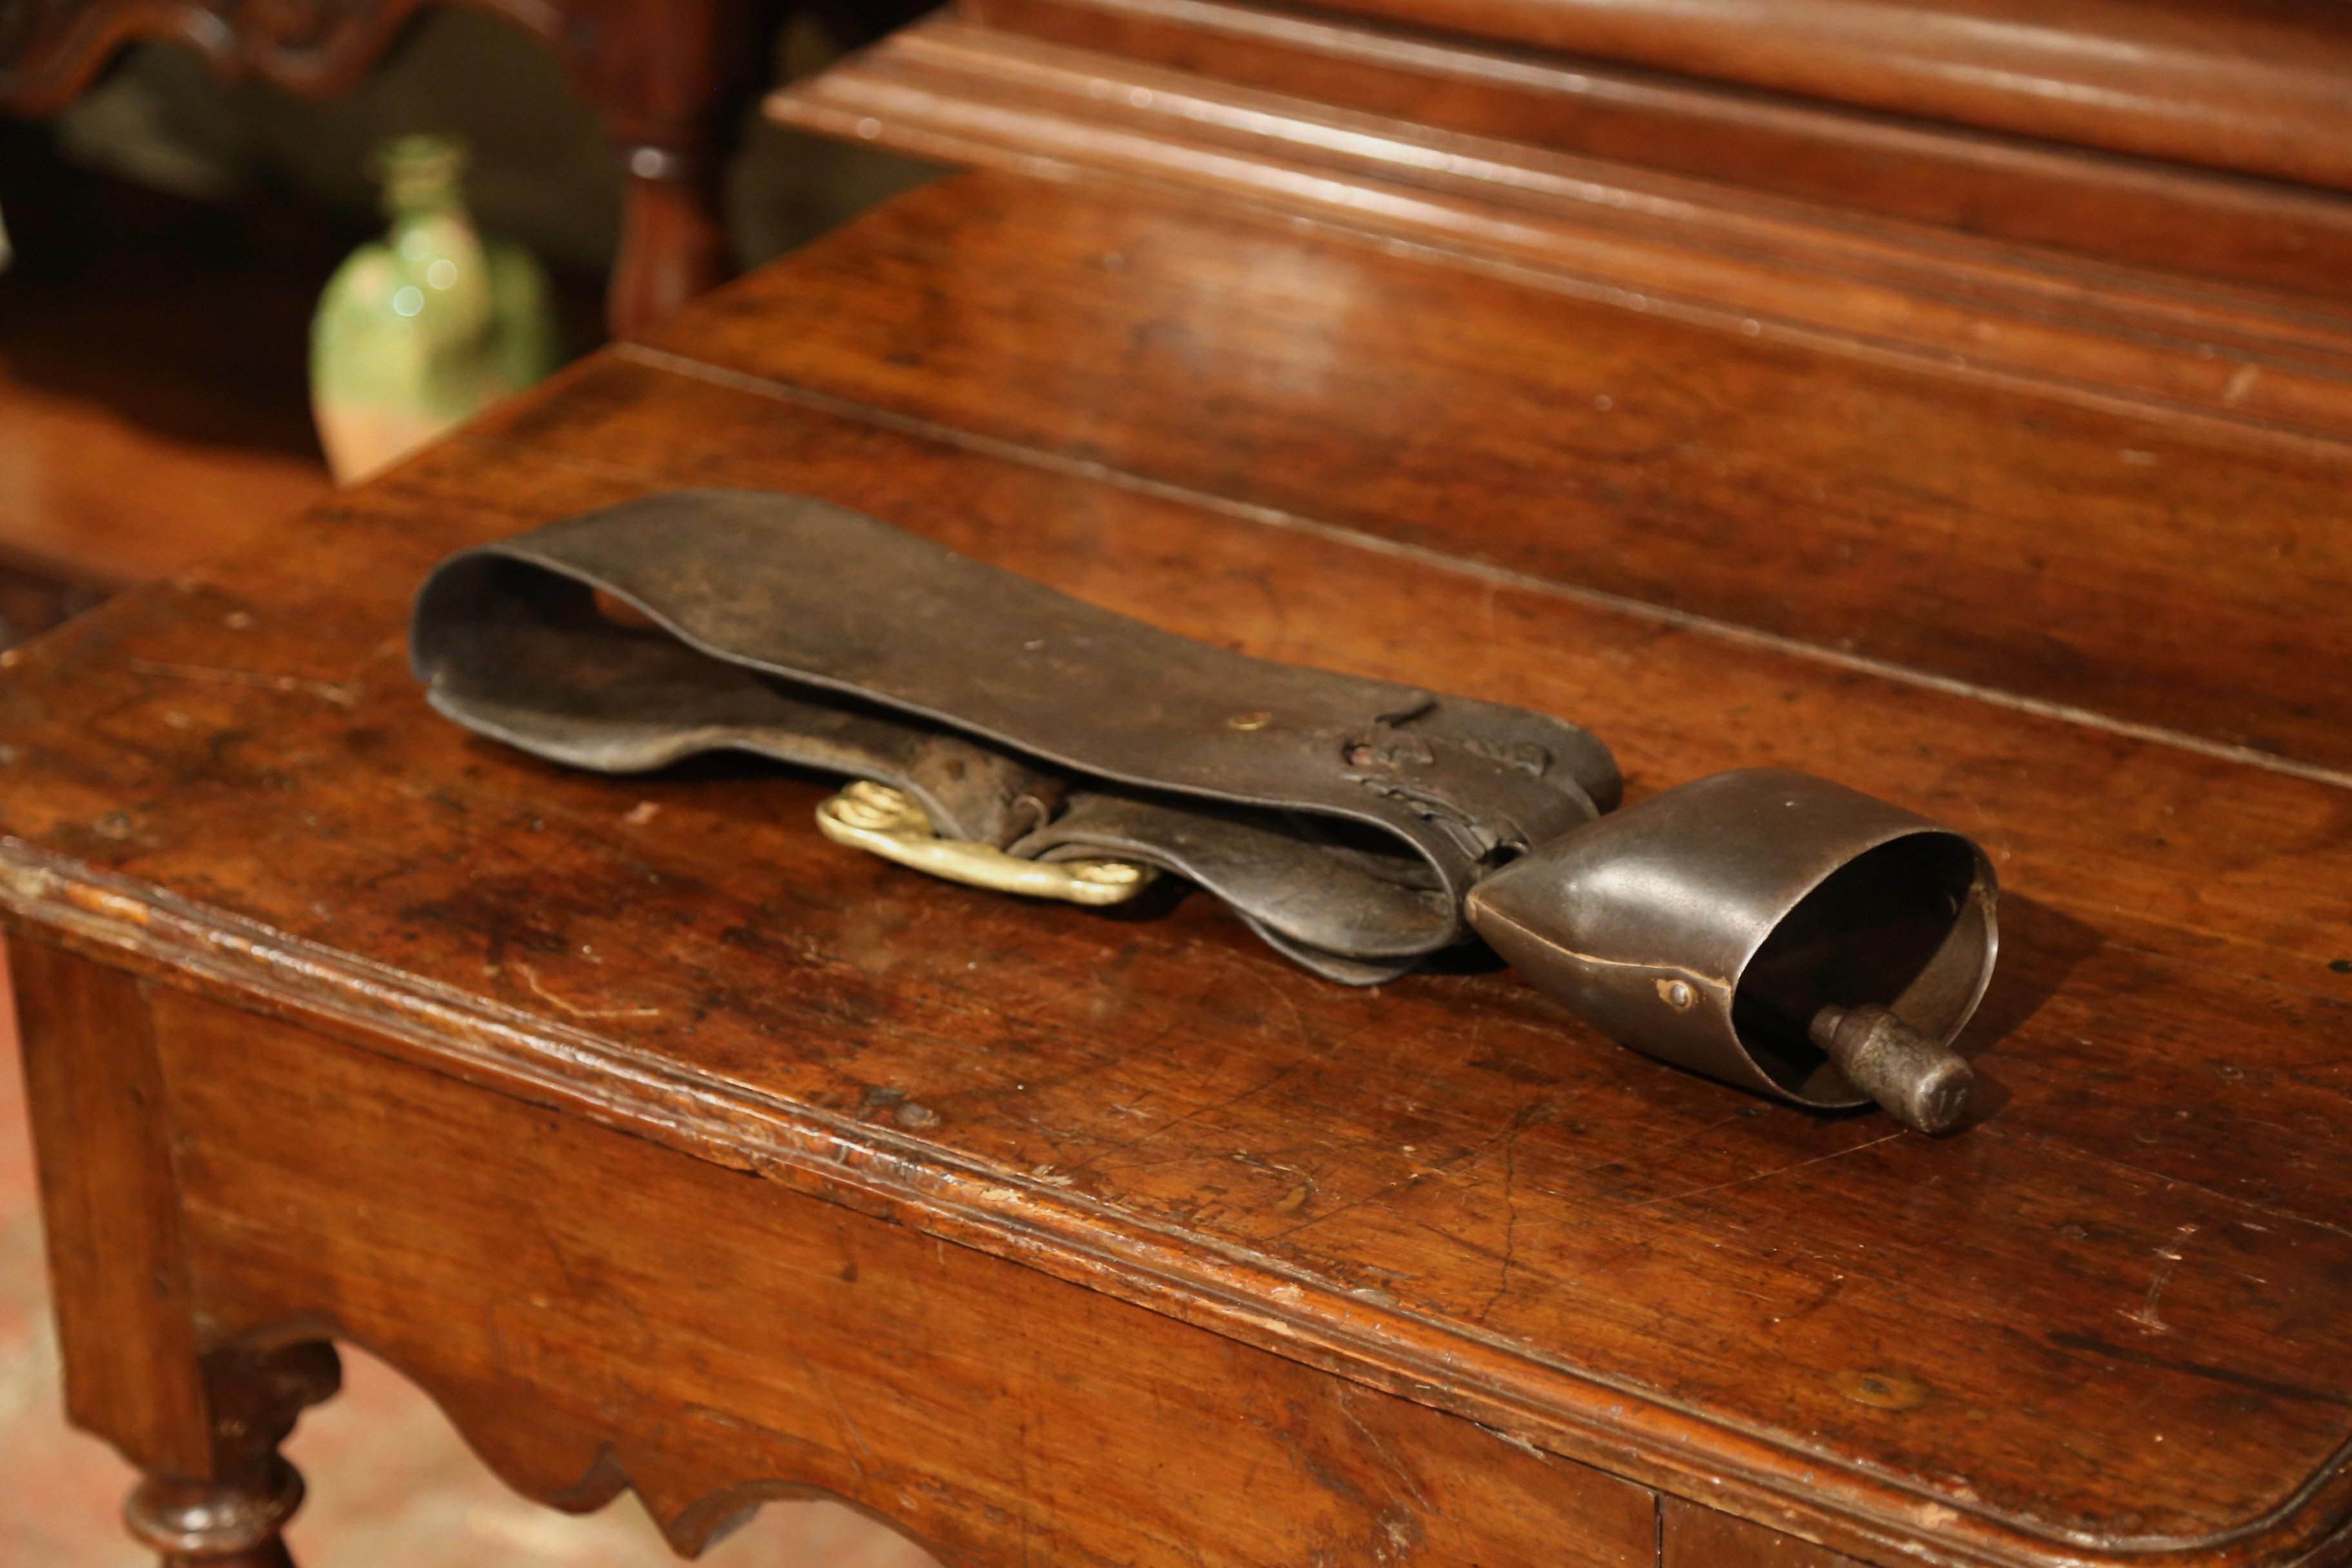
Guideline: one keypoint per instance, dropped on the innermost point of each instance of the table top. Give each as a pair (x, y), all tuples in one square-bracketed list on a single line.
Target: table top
[(2111, 1322)]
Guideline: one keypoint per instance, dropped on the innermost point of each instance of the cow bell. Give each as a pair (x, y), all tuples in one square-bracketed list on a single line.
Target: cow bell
[(1768, 928)]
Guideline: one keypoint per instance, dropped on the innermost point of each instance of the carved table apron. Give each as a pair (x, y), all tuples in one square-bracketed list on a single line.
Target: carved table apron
[(669, 1145)]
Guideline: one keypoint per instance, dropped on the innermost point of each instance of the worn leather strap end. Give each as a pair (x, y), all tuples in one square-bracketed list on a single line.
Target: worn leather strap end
[(1346, 820)]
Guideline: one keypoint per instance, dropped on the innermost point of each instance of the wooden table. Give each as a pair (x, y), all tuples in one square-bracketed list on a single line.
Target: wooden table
[(669, 1146)]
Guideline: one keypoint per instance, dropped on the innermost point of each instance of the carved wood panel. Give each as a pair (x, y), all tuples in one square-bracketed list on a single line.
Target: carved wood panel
[(51, 49), (669, 78), (594, 1311)]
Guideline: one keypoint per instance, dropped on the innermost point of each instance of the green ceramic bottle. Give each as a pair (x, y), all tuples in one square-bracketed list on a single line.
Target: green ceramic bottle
[(420, 330)]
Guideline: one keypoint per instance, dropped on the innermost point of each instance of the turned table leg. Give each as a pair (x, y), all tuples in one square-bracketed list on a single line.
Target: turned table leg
[(673, 238), (673, 78), (230, 1516), (211, 1524), (201, 1421)]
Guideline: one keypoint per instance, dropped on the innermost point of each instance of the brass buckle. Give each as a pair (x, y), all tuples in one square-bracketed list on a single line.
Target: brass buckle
[(886, 821)]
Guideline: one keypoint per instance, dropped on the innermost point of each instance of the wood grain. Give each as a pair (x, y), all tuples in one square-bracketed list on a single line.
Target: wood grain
[(1690, 1536), (1966, 1349), (2170, 217), (581, 1339), (1614, 235), (2158, 571), (202, 1422), (2253, 85), (111, 1206)]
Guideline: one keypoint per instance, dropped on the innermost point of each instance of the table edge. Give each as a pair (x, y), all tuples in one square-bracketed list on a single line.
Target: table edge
[(1522, 1396)]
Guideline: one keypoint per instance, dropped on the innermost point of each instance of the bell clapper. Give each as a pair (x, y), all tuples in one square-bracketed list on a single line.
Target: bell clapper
[(1923, 1085)]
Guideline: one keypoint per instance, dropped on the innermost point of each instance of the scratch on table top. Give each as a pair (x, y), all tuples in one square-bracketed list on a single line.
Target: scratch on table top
[(530, 977), (1766, 1176), (341, 695), (2167, 1259)]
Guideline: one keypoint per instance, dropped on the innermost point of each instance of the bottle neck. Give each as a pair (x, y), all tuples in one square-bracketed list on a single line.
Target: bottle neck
[(422, 178)]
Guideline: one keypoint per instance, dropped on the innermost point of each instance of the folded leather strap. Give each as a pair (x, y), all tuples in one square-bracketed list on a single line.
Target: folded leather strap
[(1346, 820)]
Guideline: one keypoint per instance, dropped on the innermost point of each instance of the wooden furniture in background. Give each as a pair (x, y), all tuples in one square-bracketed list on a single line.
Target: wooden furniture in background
[(2224, 159), (669, 1145), (669, 78)]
